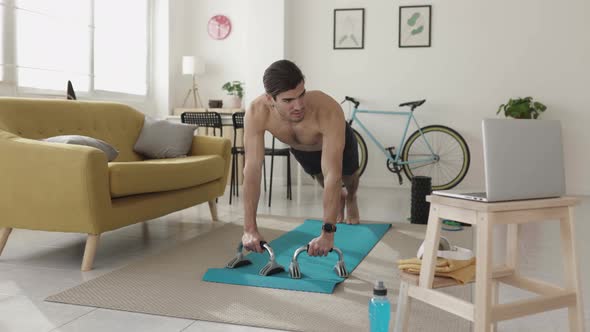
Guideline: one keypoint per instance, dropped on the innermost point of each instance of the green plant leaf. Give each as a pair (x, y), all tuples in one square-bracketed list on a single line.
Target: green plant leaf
[(522, 108), (539, 107), (418, 30), (234, 88), (412, 20)]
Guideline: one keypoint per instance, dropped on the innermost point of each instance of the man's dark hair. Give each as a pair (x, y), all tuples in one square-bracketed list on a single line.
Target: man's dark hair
[(281, 76)]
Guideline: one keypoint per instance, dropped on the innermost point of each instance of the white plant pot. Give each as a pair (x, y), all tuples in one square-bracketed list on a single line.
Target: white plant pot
[(233, 102)]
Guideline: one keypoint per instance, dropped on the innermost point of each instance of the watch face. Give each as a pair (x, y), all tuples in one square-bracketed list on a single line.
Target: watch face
[(219, 27)]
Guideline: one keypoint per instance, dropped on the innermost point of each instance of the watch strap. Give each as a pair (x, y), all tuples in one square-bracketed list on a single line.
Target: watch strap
[(329, 228)]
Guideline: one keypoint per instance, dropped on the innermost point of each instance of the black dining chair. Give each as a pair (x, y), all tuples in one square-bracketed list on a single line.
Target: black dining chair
[(204, 119), (238, 124), (236, 151), (282, 152)]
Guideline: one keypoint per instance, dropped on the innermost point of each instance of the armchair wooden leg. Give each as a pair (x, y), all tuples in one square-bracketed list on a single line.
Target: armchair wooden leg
[(90, 251), (4, 233), (145, 230), (213, 209)]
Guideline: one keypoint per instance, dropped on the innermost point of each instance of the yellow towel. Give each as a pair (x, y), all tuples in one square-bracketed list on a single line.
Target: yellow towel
[(463, 271)]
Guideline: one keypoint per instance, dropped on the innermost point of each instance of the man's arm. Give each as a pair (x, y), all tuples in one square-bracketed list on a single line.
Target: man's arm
[(332, 148), (253, 158), (332, 125)]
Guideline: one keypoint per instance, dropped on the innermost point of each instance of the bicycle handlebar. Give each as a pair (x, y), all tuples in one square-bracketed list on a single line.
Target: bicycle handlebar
[(352, 100)]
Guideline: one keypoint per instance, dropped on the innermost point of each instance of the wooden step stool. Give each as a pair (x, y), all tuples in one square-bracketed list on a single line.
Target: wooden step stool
[(486, 311)]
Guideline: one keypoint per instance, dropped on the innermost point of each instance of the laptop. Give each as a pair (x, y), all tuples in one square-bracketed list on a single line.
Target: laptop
[(523, 159)]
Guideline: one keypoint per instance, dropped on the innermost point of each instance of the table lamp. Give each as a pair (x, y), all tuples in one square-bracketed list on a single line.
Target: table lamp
[(194, 66)]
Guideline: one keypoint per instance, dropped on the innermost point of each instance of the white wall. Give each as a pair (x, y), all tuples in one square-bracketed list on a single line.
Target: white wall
[(265, 42), (160, 56), (482, 54), (179, 46), (223, 58), (256, 40)]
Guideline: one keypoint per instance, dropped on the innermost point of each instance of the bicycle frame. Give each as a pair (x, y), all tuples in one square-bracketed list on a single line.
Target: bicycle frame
[(410, 117)]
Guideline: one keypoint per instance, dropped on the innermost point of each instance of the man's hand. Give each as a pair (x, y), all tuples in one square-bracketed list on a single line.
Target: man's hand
[(321, 245), (251, 241)]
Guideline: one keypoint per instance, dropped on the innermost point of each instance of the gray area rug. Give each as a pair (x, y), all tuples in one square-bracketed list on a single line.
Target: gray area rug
[(169, 284)]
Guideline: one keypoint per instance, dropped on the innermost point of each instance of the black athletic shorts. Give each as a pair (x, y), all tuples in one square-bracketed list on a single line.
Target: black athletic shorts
[(311, 161)]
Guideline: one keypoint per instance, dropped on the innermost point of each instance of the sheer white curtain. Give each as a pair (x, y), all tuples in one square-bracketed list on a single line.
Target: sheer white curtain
[(53, 43), (99, 45), (121, 46)]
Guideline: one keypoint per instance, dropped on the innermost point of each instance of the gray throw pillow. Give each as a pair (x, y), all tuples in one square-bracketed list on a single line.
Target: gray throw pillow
[(105, 147), (164, 139)]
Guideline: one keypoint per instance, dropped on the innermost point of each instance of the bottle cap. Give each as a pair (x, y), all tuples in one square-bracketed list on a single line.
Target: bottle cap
[(379, 288)]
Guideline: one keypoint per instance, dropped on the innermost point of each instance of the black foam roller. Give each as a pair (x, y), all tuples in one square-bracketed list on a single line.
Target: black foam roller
[(421, 187)]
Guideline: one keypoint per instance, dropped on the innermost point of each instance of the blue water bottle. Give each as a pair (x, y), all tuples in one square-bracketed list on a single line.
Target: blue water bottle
[(379, 309)]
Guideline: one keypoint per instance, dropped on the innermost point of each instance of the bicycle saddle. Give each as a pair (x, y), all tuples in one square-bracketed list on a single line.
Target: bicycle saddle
[(413, 104)]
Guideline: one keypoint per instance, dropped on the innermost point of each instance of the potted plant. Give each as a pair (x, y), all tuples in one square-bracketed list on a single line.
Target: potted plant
[(522, 108), (234, 89)]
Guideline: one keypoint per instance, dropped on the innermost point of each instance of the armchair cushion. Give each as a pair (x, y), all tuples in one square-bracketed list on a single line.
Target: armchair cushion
[(105, 147), (149, 176), (164, 139)]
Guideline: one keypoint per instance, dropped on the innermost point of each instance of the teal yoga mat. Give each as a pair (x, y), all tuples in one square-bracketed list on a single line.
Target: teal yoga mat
[(318, 274)]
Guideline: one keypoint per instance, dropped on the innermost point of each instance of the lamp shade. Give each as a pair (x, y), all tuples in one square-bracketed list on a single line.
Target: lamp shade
[(188, 65), (193, 65)]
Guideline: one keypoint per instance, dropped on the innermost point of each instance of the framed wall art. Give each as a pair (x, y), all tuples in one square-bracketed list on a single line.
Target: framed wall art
[(415, 26), (349, 28)]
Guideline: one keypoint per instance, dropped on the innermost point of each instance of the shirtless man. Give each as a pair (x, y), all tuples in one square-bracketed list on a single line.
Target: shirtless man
[(313, 125)]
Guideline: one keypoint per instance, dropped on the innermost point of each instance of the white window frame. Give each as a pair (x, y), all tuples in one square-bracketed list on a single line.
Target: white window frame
[(11, 58), (9, 44)]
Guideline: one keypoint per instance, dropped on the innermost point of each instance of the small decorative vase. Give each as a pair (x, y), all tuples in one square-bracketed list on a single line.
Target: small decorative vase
[(233, 102)]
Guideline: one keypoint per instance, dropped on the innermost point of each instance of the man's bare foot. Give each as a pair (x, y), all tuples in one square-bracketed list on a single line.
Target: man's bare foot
[(340, 218), (352, 210)]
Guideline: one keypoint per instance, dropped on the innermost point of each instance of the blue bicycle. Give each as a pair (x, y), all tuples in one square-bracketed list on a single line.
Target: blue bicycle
[(436, 151)]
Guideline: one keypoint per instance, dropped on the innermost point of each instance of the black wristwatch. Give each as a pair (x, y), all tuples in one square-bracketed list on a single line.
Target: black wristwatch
[(329, 228)]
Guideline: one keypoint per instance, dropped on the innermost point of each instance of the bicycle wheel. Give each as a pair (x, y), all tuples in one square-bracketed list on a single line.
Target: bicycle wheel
[(452, 153), (363, 153)]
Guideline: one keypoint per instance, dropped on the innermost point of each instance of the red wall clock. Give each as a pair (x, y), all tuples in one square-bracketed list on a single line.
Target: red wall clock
[(219, 27)]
